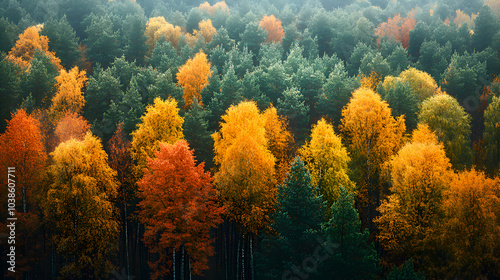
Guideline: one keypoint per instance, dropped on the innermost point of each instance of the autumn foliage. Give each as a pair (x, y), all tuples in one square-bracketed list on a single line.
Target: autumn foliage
[(71, 126), (158, 27), (179, 208), (245, 176), (69, 95), (28, 43), (272, 25), (206, 30), (398, 28), (211, 10), (193, 77), (462, 18)]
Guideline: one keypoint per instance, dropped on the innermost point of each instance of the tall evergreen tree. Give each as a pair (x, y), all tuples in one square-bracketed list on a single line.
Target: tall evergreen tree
[(297, 222), (355, 257)]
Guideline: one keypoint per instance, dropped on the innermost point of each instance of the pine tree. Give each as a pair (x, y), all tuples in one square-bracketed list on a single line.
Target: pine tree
[(355, 257), (299, 214)]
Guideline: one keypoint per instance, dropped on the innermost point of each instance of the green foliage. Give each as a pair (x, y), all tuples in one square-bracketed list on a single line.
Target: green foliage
[(486, 26), (39, 81), (10, 91), (253, 36), (135, 46), (405, 272), (336, 92), (62, 41), (451, 124), (102, 41), (294, 108), (296, 224), (164, 57), (8, 34), (196, 133), (491, 136), (403, 101), (355, 257), (434, 59), (464, 76)]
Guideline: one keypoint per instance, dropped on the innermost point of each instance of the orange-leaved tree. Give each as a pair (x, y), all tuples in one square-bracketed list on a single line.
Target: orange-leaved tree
[(462, 18), (373, 136), (410, 218), (21, 147), (28, 43), (397, 28), (79, 207), (471, 228), (193, 77), (22, 162), (272, 25), (69, 95), (179, 208), (160, 123), (71, 126)]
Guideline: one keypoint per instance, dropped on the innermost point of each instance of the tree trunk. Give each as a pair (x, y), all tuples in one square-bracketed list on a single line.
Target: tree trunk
[(238, 262), (173, 270), (243, 258), (251, 258), (127, 264), (182, 263)]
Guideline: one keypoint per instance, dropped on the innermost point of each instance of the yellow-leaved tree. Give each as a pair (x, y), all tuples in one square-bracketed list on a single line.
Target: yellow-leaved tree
[(79, 207), (421, 82), (158, 27), (327, 160), (272, 25), (246, 175), (69, 95), (279, 140), (373, 136), (410, 218), (206, 30), (160, 123), (193, 77)]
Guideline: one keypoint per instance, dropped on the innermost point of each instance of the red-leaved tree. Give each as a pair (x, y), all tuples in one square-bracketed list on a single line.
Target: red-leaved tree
[(179, 207)]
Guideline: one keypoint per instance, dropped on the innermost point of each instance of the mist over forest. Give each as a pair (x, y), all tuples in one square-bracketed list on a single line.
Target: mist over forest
[(250, 140)]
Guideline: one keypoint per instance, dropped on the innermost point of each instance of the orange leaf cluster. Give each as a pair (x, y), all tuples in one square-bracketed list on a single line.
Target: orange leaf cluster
[(398, 28), (28, 43), (179, 207), (193, 77), (71, 126), (21, 146), (206, 30), (272, 25)]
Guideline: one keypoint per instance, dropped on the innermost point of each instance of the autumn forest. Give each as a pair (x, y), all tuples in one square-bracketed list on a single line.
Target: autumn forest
[(250, 140)]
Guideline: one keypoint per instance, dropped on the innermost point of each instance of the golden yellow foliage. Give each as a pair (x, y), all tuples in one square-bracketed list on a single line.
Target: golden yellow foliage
[(206, 30), (421, 82), (472, 231), (79, 206), (69, 95), (462, 18), (221, 6), (158, 27), (371, 81), (410, 218), (28, 43), (160, 123), (327, 160), (245, 176), (279, 141), (193, 77)]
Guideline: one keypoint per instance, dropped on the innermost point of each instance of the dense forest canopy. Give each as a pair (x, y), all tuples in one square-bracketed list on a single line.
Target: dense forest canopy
[(284, 139)]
